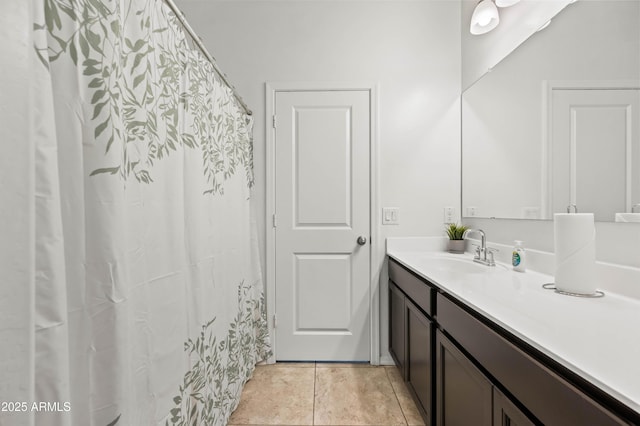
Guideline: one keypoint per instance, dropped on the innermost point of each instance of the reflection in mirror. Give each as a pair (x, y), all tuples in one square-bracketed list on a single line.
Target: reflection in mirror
[(557, 122)]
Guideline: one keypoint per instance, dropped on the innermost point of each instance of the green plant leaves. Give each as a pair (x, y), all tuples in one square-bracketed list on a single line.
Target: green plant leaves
[(455, 231)]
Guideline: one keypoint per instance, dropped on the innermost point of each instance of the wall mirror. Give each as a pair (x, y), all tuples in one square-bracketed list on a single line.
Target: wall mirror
[(557, 122)]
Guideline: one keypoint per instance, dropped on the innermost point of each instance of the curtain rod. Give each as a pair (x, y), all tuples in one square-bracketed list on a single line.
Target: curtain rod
[(198, 41)]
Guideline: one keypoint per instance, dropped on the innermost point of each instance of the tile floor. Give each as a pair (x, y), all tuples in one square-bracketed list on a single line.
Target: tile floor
[(325, 394)]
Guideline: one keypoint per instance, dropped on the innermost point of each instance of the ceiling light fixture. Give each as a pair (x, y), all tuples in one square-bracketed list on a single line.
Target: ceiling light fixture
[(506, 3), (485, 18)]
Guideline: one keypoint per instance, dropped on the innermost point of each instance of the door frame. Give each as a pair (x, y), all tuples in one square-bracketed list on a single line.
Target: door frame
[(548, 86), (377, 247)]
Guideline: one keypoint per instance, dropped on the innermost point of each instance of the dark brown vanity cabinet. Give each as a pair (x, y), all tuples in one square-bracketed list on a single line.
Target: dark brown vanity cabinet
[(464, 370), (411, 335)]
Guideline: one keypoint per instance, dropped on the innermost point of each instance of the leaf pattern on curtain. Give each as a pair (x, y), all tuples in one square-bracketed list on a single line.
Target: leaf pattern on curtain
[(150, 94), (115, 421), (208, 392)]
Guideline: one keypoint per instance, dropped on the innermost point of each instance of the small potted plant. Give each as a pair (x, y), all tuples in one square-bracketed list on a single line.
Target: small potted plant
[(455, 233)]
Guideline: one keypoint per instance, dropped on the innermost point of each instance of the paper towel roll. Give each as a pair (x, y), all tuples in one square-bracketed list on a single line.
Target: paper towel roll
[(575, 246)]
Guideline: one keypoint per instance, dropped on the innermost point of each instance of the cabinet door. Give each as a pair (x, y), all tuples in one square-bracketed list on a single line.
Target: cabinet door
[(397, 326), (463, 394), (419, 357), (505, 413)]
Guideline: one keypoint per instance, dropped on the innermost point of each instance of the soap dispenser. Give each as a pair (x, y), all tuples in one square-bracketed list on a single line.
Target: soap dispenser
[(518, 257)]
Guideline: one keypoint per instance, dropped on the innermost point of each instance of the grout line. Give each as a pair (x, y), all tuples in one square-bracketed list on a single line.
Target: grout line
[(315, 378), (406, 421)]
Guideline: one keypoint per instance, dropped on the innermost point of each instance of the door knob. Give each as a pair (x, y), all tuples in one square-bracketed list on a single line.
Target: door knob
[(362, 240)]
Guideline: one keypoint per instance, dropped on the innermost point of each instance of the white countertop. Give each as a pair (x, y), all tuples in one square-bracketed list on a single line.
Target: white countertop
[(599, 339)]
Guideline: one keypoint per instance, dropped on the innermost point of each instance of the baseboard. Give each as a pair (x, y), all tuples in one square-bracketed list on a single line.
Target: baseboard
[(386, 360)]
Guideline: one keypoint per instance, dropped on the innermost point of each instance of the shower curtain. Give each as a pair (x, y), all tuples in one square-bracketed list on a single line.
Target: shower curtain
[(149, 306)]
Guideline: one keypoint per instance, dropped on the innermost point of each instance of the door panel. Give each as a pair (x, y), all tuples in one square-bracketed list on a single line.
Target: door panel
[(323, 285), (596, 150), (464, 395), (397, 326), (323, 166), (419, 362), (322, 207)]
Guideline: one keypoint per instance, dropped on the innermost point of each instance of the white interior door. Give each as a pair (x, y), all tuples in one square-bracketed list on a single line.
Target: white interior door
[(596, 150), (322, 141)]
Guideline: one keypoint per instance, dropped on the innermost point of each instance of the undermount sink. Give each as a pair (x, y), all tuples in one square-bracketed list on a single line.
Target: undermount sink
[(457, 264)]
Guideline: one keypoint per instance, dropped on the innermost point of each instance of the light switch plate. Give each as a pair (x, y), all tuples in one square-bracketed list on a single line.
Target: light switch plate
[(390, 216)]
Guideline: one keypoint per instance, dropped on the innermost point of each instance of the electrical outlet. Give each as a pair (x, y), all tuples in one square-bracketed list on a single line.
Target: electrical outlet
[(531, 212), (390, 216), (449, 215), (472, 211)]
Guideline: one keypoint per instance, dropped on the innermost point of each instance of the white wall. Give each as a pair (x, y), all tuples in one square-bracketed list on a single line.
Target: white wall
[(411, 48)]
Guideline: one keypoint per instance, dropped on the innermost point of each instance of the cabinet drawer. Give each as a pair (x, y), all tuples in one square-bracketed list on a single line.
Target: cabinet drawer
[(414, 287), (549, 397)]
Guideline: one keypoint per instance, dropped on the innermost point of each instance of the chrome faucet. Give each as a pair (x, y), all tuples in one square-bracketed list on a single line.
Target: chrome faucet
[(482, 251)]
